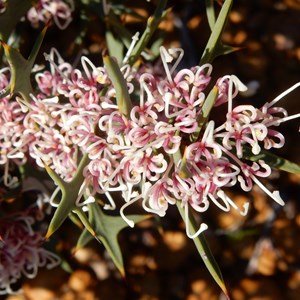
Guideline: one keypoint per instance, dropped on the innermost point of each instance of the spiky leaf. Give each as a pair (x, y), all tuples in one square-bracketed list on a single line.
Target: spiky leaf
[(204, 251), (272, 160), (214, 45), (120, 85), (69, 191), (21, 68), (107, 228), (15, 10), (152, 25)]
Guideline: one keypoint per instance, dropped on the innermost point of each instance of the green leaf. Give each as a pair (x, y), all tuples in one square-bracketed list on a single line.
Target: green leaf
[(205, 109), (210, 13), (15, 10), (214, 45), (107, 228), (70, 192), (115, 27), (115, 46), (204, 251), (120, 85), (21, 68), (272, 160), (183, 168), (152, 25), (85, 221), (118, 36), (154, 50)]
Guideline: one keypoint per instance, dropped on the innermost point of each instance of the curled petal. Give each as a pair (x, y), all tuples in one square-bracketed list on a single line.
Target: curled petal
[(184, 75), (129, 222), (270, 142), (202, 228), (159, 197), (140, 137), (228, 202)]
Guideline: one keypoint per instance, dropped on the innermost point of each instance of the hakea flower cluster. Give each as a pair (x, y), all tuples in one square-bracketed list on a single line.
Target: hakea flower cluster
[(21, 251), (157, 154), (60, 11), (13, 144)]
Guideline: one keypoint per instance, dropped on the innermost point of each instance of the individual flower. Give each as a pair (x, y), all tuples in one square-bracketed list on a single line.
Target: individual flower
[(58, 10), (250, 174), (248, 126), (159, 196)]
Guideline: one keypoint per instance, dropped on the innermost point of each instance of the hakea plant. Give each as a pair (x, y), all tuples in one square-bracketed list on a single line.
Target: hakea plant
[(118, 135), (155, 154), (139, 154)]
